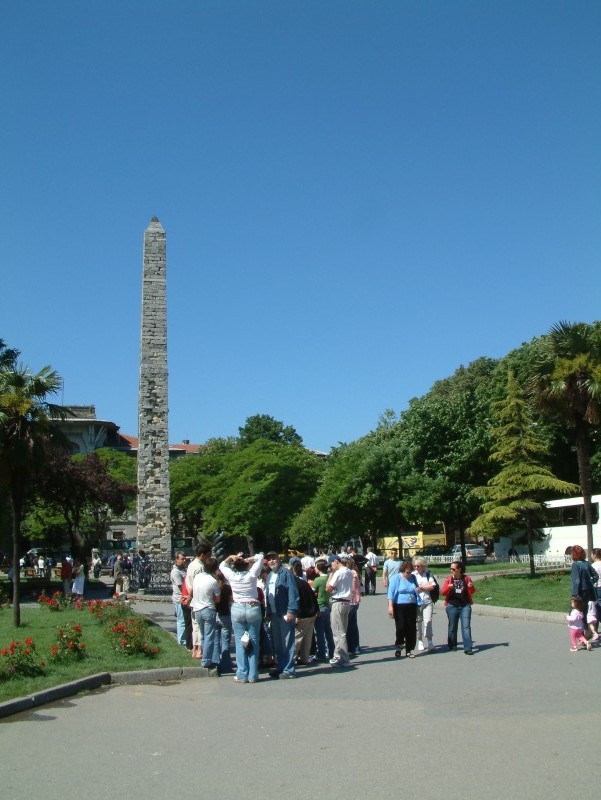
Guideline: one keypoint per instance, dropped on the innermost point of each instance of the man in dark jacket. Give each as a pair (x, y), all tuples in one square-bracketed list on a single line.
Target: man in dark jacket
[(305, 619), (281, 596)]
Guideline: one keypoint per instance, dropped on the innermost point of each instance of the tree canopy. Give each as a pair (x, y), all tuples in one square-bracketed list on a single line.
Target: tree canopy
[(566, 382), (513, 499), (262, 426)]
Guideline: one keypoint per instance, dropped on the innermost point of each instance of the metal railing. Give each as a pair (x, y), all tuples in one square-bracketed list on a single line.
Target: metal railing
[(156, 581)]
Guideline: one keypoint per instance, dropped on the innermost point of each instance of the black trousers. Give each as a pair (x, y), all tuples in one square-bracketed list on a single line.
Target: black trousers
[(405, 621), (370, 580)]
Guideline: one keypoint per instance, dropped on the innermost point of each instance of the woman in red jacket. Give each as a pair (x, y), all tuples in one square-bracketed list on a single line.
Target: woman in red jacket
[(457, 591)]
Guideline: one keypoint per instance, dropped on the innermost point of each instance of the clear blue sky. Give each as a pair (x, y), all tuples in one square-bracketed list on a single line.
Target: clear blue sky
[(358, 196)]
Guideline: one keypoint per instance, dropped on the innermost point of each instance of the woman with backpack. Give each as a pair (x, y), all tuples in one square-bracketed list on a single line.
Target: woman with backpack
[(428, 593)]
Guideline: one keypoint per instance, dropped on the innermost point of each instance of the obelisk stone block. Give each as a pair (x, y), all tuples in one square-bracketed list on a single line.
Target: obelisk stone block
[(154, 520)]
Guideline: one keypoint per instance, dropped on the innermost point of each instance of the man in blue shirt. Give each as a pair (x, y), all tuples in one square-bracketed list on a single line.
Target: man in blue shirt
[(391, 566)]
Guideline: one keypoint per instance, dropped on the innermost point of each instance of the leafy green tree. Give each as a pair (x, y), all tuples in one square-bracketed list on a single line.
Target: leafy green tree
[(24, 435), (219, 445), (190, 478), (513, 499), (566, 383), (409, 472), (446, 433), (44, 525), (262, 426), (122, 468), (83, 491), (336, 511), (258, 489)]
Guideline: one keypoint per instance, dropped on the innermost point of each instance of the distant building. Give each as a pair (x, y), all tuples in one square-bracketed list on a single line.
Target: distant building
[(87, 433)]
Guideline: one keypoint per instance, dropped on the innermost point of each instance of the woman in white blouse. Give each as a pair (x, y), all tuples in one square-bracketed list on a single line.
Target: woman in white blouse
[(425, 584), (241, 574)]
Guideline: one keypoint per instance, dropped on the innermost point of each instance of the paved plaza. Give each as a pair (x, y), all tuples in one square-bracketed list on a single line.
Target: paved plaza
[(519, 718)]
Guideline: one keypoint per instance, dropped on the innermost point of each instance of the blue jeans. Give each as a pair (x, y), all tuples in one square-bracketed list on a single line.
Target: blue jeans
[(224, 624), (454, 614), (247, 618), (209, 637), (282, 633), (323, 634), (180, 623)]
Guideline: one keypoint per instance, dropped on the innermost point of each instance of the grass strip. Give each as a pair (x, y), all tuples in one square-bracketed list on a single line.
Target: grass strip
[(544, 592), (42, 625)]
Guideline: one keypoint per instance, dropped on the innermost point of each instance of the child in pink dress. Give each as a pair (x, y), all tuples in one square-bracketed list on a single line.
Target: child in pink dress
[(575, 620)]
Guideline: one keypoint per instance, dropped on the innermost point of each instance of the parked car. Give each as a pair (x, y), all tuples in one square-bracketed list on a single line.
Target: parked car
[(475, 553), (432, 550)]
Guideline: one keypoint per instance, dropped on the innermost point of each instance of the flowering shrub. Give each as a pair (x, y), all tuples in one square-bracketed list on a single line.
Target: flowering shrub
[(109, 611), (97, 607), (19, 659), (57, 602), (68, 643), (132, 635)]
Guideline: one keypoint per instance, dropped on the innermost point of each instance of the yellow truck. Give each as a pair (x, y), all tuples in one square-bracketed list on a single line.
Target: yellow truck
[(410, 543)]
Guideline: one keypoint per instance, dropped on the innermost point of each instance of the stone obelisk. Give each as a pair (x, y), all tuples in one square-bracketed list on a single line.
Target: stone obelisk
[(154, 520)]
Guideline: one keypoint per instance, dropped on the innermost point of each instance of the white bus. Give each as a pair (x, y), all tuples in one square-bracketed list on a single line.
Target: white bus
[(566, 527)]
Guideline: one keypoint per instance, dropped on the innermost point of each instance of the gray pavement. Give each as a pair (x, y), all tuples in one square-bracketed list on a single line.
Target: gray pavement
[(515, 718)]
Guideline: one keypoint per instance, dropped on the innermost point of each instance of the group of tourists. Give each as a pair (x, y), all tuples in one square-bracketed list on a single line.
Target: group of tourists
[(283, 615), (412, 592)]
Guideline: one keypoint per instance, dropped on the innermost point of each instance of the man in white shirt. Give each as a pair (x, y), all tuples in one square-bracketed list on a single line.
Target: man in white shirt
[(306, 562), (205, 593), (371, 567), (203, 552), (339, 586), (178, 575)]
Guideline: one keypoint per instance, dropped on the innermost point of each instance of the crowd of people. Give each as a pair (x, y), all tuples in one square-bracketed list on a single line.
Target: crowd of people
[(284, 615)]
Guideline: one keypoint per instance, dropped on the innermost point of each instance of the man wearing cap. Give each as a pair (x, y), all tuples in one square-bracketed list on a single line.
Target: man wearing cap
[(339, 585), (282, 609)]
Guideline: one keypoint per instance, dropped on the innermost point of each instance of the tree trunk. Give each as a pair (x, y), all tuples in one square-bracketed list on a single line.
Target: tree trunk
[(16, 515), (462, 542), (529, 542), (583, 449)]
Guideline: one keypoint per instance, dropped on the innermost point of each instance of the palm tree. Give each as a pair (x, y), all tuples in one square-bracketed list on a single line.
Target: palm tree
[(24, 432), (567, 386)]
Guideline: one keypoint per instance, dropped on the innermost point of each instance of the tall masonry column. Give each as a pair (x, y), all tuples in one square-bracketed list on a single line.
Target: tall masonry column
[(154, 520)]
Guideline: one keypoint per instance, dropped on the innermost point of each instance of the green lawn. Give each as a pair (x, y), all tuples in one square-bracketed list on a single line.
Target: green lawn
[(40, 624), (544, 592)]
